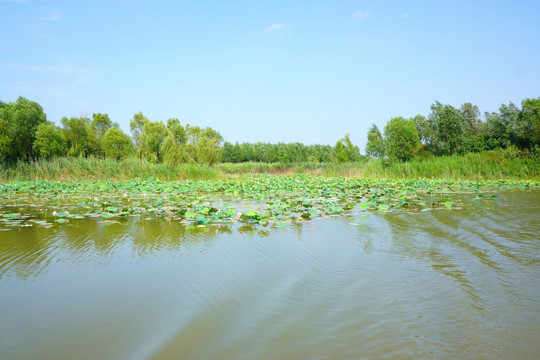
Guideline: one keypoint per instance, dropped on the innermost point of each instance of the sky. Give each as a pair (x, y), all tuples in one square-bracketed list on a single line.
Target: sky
[(269, 71)]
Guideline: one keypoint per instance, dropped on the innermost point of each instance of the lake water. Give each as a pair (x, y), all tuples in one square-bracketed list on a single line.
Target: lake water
[(437, 284)]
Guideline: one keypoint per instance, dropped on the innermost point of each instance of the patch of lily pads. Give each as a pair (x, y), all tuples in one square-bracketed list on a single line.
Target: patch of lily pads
[(265, 200)]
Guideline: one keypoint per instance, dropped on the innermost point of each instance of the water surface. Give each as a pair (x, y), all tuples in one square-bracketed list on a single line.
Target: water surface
[(435, 284)]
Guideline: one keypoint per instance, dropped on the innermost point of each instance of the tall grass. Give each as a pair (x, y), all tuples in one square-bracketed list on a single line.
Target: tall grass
[(488, 165), (102, 169), (475, 166)]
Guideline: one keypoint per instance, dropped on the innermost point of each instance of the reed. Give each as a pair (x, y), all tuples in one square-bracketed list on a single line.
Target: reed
[(488, 165)]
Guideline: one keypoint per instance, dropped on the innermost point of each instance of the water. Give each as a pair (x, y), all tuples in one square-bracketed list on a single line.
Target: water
[(437, 284)]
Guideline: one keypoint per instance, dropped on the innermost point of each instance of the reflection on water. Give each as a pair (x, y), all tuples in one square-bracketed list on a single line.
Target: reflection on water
[(436, 284)]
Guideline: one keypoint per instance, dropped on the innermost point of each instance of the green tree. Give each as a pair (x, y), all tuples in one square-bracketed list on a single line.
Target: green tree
[(5, 138), (375, 145), (50, 141), (353, 152), (424, 129), (174, 147), (204, 145), (137, 127), (528, 124), (501, 127), (401, 138), (116, 144), (18, 125), (341, 152), (153, 136), (100, 124), (470, 115), (77, 134), (448, 125)]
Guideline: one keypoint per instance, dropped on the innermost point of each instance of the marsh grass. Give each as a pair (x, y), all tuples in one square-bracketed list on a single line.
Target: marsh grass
[(68, 169), (488, 165)]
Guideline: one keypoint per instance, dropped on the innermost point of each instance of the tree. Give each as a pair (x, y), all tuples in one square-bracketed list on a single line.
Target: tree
[(375, 145), (528, 124), (353, 153), (449, 133), (5, 138), (424, 129), (173, 148), (100, 124), (341, 152), (136, 126), (501, 126), (116, 144), (154, 133), (77, 134), (470, 115), (18, 125), (204, 145), (177, 131), (401, 138), (50, 141)]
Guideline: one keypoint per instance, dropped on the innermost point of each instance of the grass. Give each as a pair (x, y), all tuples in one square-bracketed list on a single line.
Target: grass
[(73, 169), (488, 165)]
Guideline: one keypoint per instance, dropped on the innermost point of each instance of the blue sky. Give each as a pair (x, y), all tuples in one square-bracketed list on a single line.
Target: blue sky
[(271, 71)]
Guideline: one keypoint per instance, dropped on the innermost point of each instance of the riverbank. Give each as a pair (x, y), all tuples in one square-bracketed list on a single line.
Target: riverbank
[(488, 165)]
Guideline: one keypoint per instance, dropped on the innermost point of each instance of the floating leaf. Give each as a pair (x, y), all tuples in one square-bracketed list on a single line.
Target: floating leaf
[(11, 215)]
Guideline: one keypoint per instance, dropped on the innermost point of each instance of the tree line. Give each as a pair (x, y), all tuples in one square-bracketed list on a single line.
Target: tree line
[(26, 134), (343, 151), (448, 130)]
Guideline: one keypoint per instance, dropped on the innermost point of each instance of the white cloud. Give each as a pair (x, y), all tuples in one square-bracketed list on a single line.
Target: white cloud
[(406, 16), (362, 14), (277, 26)]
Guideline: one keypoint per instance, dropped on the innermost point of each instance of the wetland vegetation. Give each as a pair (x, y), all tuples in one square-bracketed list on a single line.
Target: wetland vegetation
[(274, 201), (449, 143), (171, 243)]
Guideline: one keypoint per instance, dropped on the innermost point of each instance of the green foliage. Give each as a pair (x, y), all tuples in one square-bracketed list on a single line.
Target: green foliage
[(271, 201), (341, 153), (528, 124), (375, 144), (18, 125), (177, 131), (116, 144), (81, 141), (501, 127), (174, 147), (401, 138), (100, 124), (204, 145), (353, 153), (153, 136), (424, 129), (50, 141), (136, 126), (470, 115), (273, 153), (345, 151), (449, 130)]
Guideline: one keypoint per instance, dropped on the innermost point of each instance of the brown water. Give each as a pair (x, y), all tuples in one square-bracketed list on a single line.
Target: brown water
[(437, 285)]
